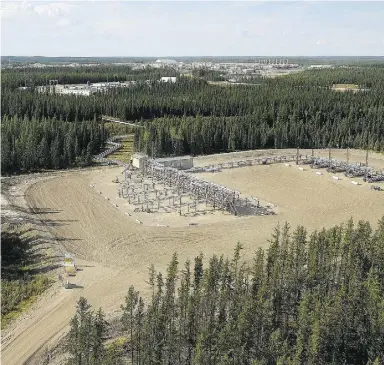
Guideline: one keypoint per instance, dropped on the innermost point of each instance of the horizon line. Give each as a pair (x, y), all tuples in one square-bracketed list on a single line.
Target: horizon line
[(208, 56)]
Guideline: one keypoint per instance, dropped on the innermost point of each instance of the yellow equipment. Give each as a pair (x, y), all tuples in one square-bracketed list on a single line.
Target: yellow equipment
[(69, 264)]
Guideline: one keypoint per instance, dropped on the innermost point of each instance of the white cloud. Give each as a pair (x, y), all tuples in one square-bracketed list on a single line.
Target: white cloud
[(14, 9), (53, 10), (24, 9), (103, 28), (63, 22), (322, 42)]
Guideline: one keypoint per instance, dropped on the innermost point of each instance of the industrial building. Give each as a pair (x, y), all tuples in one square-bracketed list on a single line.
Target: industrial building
[(168, 79), (179, 162), (319, 67), (138, 160), (83, 89), (167, 62)]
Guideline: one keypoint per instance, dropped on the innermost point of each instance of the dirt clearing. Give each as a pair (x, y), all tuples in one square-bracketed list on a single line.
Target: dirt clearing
[(114, 251)]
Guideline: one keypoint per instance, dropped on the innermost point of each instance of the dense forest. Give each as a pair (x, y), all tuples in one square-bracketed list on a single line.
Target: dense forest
[(191, 116), (31, 77), (294, 111), (308, 299), (35, 144)]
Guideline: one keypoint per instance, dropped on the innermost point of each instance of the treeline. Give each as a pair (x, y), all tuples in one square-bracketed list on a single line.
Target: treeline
[(32, 77), (305, 93), (294, 111), (364, 77), (194, 117), (29, 145), (209, 75), (308, 299), (141, 101), (85, 340), (205, 135)]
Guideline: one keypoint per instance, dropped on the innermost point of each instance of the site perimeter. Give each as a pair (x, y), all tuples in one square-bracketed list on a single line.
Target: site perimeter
[(114, 250)]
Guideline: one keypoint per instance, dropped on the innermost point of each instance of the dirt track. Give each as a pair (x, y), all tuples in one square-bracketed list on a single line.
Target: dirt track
[(113, 251)]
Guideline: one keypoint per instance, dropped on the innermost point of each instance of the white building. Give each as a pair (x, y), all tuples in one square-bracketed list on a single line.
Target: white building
[(168, 79), (138, 160), (83, 92), (320, 66), (167, 62), (179, 162)]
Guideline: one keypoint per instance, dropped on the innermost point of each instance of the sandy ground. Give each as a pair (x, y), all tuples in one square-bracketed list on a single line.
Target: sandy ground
[(375, 160), (114, 251)]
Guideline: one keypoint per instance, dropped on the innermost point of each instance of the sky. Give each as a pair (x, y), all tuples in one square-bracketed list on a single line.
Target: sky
[(195, 28)]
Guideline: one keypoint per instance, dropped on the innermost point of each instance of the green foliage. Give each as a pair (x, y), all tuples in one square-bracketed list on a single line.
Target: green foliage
[(314, 299), (12, 78), (297, 110), (196, 117), (207, 74), (16, 293), (85, 339), (21, 282), (29, 145)]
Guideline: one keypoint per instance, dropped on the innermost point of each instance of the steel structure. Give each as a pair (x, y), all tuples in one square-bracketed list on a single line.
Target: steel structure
[(300, 159), (183, 184), (219, 196), (350, 170), (374, 176), (101, 157)]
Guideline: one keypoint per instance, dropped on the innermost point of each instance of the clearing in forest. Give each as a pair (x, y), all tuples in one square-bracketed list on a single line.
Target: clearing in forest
[(124, 154), (346, 87), (114, 251)]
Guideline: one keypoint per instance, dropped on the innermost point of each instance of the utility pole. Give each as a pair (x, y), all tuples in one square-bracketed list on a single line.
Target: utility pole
[(297, 156), (349, 143), (366, 160), (329, 156)]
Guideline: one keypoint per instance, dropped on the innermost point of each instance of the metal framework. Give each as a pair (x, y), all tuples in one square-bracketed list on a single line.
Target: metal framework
[(184, 189), (138, 188), (101, 157), (350, 170), (300, 159), (219, 196)]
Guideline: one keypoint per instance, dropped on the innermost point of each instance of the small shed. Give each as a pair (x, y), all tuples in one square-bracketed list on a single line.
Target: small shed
[(138, 160), (179, 162)]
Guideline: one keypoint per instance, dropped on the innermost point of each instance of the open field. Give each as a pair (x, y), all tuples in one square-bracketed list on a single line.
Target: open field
[(124, 154), (302, 197), (114, 251), (376, 160), (346, 87), (227, 83)]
